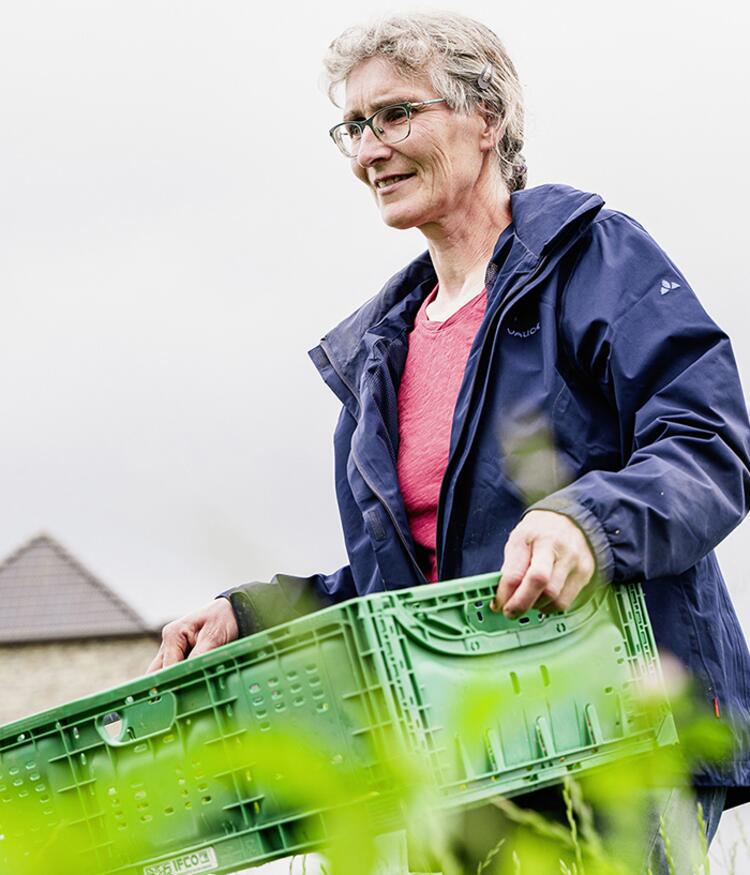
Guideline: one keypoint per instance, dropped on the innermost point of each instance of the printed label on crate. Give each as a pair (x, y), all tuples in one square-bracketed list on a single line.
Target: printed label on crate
[(200, 861)]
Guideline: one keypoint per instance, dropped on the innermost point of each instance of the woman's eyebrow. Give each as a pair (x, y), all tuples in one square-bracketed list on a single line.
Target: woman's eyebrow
[(357, 114)]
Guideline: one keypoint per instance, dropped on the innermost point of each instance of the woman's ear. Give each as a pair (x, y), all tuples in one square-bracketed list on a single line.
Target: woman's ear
[(492, 133)]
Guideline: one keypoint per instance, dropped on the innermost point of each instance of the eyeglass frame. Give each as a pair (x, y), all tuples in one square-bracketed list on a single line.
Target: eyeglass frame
[(406, 105)]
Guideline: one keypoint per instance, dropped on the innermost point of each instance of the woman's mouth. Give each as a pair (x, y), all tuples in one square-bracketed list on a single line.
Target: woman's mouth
[(387, 184)]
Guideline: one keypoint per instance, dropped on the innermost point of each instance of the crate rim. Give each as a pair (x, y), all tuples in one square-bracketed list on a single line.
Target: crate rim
[(16, 731)]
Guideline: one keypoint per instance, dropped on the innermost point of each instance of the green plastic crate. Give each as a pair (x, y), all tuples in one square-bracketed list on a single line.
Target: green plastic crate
[(170, 772)]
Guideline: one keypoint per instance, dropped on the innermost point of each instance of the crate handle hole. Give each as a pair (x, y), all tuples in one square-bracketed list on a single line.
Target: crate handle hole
[(113, 725)]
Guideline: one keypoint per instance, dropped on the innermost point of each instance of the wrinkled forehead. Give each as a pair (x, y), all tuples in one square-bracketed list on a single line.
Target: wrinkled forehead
[(376, 82)]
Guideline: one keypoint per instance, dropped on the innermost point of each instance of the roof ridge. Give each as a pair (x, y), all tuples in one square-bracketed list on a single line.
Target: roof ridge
[(47, 539), (11, 558)]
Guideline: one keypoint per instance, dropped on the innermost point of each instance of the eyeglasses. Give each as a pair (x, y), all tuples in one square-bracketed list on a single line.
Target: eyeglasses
[(391, 124)]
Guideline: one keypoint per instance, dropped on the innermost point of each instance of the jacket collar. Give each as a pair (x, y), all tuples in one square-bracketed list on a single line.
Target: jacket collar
[(547, 216), (544, 219)]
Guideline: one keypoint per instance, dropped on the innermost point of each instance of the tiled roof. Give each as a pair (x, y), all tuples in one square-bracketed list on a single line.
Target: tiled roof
[(46, 594)]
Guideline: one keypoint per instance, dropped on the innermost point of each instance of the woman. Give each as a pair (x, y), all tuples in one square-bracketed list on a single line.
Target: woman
[(540, 391)]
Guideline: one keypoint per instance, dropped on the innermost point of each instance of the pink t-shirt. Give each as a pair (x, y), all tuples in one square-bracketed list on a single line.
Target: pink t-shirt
[(435, 365)]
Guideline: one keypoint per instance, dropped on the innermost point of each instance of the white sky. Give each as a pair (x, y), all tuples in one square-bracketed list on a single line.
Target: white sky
[(176, 230)]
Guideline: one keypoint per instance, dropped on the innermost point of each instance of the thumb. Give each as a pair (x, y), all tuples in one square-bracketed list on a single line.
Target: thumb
[(515, 564)]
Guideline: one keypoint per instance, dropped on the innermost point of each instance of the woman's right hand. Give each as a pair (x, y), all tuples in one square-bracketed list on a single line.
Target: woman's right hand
[(196, 633)]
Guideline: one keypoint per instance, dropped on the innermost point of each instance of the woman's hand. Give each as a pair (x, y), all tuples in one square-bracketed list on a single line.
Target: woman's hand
[(196, 633), (547, 563)]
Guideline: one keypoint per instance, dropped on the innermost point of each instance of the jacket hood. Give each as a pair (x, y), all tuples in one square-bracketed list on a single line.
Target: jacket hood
[(543, 219)]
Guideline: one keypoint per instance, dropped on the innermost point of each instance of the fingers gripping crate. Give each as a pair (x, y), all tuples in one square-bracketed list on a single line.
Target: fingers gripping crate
[(275, 743)]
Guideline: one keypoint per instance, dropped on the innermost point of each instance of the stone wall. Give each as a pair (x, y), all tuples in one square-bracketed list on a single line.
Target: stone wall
[(34, 677)]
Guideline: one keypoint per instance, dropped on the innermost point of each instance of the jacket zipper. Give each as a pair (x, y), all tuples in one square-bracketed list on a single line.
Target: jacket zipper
[(496, 319)]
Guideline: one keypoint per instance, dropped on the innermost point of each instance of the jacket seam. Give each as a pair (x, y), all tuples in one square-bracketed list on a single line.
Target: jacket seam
[(531, 252), (699, 646), (571, 359), (613, 326)]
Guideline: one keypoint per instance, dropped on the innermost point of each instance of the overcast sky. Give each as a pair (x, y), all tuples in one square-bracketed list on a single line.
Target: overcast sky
[(177, 230)]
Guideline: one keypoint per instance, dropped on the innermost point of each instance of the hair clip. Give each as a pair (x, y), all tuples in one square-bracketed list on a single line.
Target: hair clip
[(485, 77)]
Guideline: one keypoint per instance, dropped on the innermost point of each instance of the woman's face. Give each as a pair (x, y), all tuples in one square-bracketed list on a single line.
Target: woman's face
[(443, 156)]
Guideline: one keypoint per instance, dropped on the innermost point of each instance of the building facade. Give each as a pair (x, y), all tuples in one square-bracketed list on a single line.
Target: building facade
[(63, 633)]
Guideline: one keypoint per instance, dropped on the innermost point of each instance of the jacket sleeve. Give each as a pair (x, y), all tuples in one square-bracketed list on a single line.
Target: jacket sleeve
[(260, 605), (630, 321)]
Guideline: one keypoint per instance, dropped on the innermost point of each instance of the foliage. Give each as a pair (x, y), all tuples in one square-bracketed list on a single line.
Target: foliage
[(598, 824)]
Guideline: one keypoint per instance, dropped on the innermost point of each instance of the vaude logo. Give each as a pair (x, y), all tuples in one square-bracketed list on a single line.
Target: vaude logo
[(667, 286), (200, 861), (527, 333)]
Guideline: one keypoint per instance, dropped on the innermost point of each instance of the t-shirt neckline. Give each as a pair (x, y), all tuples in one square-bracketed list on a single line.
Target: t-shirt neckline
[(423, 320)]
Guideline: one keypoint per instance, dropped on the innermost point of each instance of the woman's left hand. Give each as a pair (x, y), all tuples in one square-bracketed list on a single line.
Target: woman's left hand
[(547, 563)]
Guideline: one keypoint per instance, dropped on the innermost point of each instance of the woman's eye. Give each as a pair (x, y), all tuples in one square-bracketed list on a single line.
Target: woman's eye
[(392, 115)]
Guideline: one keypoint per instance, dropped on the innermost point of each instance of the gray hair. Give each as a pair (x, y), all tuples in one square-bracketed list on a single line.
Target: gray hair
[(466, 64)]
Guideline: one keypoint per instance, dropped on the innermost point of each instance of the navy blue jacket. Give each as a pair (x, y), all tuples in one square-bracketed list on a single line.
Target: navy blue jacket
[(596, 387)]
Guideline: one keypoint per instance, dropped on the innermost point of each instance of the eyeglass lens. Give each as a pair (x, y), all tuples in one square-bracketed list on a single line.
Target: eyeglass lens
[(391, 124)]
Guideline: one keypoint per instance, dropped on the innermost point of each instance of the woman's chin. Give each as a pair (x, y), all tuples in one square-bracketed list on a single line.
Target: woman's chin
[(396, 217)]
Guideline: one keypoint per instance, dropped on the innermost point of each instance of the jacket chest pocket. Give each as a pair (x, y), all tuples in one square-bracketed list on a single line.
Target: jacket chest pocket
[(585, 430)]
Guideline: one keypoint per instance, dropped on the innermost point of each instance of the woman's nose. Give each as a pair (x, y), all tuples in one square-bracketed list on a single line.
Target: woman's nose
[(371, 149)]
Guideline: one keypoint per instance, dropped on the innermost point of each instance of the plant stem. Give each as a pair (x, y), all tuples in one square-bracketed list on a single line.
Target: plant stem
[(573, 826)]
